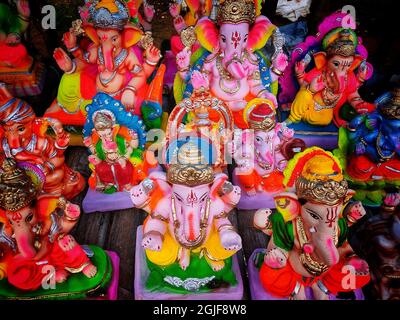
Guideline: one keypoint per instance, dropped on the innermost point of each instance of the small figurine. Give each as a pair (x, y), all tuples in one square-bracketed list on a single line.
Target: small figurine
[(187, 238), (308, 255), (261, 154), (231, 57), (378, 241), (18, 70), (112, 63), (36, 251), (369, 150), (24, 137), (116, 140)]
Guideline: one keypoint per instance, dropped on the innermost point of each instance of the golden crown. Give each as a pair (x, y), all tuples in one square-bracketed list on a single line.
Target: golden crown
[(190, 169), (236, 11), (391, 109), (17, 189), (342, 46)]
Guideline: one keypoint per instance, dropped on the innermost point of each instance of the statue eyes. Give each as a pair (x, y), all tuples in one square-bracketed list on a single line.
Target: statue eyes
[(259, 139), (313, 215), (336, 64), (223, 39), (29, 217), (21, 129)]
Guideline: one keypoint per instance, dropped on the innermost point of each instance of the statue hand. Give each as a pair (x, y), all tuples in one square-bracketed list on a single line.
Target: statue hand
[(153, 54), (152, 240), (355, 211), (174, 9), (183, 59), (200, 80), (72, 211), (87, 141), (94, 160), (69, 39), (230, 240), (317, 84), (135, 139), (275, 258), (281, 62), (148, 11), (23, 8), (236, 69), (63, 60), (62, 137), (392, 199), (128, 100), (179, 23)]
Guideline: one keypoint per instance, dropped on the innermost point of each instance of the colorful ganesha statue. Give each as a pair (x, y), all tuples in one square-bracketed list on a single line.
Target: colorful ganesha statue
[(24, 137), (116, 140), (261, 154), (331, 81), (231, 56), (187, 238), (33, 249), (111, 63), (369, 149), (308, 254)]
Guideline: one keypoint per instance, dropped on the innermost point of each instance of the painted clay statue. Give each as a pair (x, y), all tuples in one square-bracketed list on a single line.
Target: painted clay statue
[(116, 141), (112, 63), (369, 150), (261, 154), (308, 246), (330, 80), (378, 241), (22, 74), (187, 238), (24, 138), (231, 56), (33, 248), (203, 115)]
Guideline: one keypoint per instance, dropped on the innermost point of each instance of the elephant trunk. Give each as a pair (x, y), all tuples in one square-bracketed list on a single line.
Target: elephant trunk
[(191, 224), (326, 250), (24, 239), (108, 50)]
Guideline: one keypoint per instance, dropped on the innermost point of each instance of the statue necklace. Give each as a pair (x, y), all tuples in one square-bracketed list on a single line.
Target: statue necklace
[(117, 62), (224, 75)]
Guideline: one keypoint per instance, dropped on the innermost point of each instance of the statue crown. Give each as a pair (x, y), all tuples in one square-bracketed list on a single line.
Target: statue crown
[(112, 14), (342, 46), (237, 11)]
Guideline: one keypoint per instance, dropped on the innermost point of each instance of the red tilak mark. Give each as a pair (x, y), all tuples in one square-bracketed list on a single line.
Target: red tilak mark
[(235, 39), (16, 216), (331, 216), (104, 37), (191, 198)]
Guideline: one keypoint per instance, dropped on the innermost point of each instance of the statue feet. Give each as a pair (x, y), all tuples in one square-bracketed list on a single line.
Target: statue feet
[(215, 265), (61, 276), (184, 258), (90, 270)]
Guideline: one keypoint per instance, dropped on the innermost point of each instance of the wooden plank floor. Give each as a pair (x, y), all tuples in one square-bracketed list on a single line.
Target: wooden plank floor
[(116, 230)]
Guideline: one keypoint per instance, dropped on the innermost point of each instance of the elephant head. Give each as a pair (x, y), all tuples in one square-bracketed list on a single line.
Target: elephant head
[(110, 30)]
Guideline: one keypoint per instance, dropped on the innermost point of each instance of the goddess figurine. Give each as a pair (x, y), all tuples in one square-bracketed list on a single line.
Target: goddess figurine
[(187, 242), (35, 250), (231, 56), (308, 255), (112, 63), (116, 140)]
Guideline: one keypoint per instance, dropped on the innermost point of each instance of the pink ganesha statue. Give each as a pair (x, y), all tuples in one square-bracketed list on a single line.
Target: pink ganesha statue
[(262, 154), (187, 238), (112, 63), (308, 254), (231, 56)]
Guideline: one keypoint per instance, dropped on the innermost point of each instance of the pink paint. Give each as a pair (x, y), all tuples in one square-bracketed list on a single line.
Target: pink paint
[(308, 248), (333, 253)]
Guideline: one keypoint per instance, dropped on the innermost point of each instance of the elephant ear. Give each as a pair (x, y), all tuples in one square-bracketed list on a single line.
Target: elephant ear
[(288, 205), (207, 34), (320, 59), (130, 36), (260, 33), (90, 31), (218, 182)]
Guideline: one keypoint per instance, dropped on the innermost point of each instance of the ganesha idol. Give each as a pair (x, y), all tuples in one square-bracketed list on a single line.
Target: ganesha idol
[(308, 255), (116, 141), (231, 56), (185, 248), (24, 137), (46, 264), (261, 154), (23, 75), (369, 149), (112, 62), (322, 80)]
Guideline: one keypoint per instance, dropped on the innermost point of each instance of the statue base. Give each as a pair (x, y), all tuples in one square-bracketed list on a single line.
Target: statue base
[(142, 273), (95, 201), (27, 81), (103, 286), (259, 201), (325, 137), (258, 292)]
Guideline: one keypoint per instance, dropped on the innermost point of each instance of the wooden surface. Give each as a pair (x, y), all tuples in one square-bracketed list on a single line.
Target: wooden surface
[(116, 231)]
